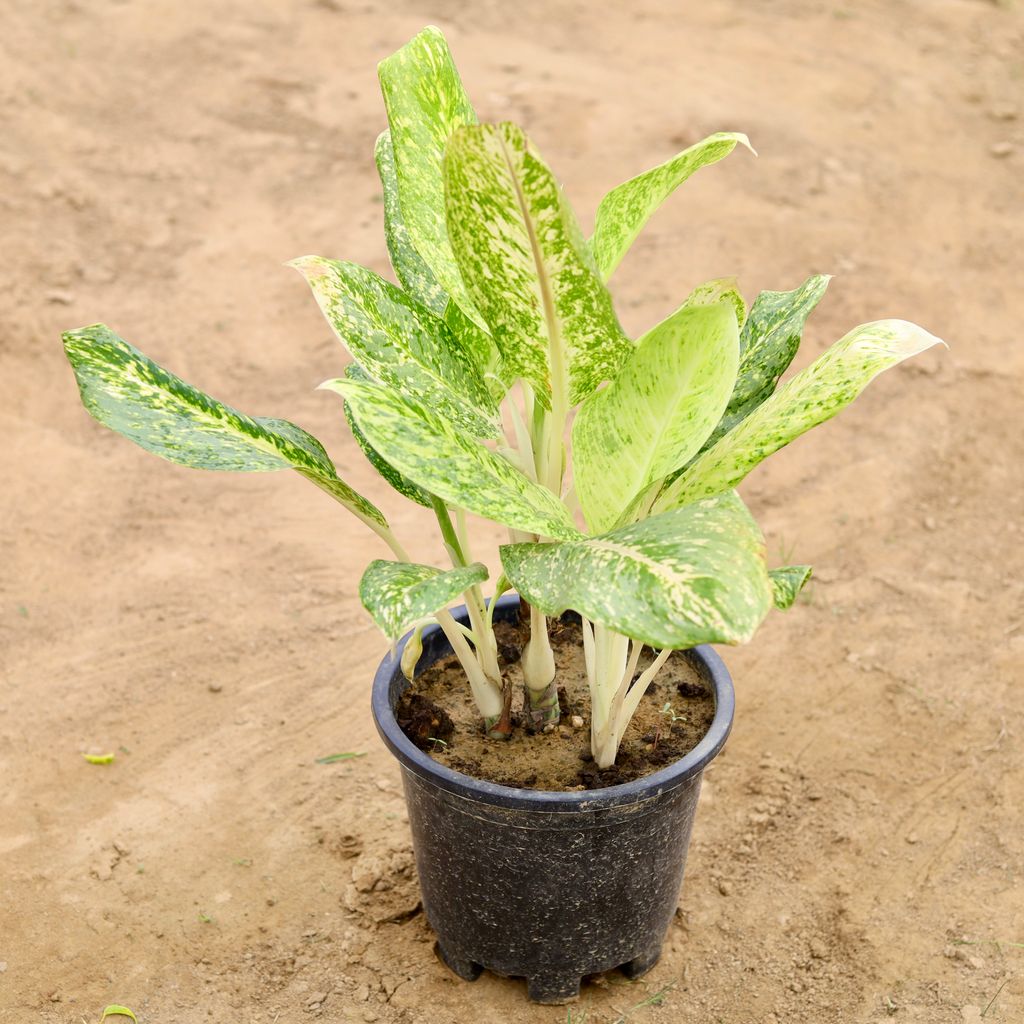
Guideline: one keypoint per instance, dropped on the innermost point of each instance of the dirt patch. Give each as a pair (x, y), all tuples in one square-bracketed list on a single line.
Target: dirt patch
[(673, 715)]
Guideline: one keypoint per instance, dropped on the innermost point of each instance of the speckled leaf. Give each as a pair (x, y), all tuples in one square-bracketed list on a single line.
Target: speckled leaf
[(433, 453), (695, 575), (811, 397), (134, 396), (787, 582), (419, 281), (626, 209), (653, 417), (396, 594), (404, 487), (401, 343), (426, 102), (768, 342), (410, 269), (527, 265), (720, 288)]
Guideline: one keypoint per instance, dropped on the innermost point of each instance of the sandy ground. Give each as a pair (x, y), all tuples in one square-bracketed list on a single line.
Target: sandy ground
[(859, 852)]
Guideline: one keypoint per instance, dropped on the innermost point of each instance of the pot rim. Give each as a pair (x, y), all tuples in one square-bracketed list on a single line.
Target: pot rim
[(676, 774)]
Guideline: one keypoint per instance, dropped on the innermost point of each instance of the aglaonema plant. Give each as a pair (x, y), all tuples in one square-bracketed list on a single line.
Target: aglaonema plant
[(496, 380)]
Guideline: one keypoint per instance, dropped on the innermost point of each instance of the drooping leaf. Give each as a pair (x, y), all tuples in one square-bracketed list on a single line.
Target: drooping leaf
[(811, 397), (409, 267), (787, 582), (400, 483), (401, 343), (397, 594), (117, 1011), (656, 413), (442, 460), (134, 396), (426, 103), (527, 266), (691, 576), (626, 209), (768, 342)]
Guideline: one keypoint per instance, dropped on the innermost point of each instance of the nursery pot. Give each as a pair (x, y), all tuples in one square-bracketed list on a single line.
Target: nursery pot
[(544, 885)]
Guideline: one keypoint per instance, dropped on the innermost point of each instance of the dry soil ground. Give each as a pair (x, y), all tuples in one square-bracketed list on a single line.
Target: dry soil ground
[(859, 854)]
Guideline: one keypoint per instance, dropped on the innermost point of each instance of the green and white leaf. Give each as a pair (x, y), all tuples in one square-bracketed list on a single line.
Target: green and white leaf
[(657, 412), (398, 594), (441, 459), (694, 575), (768, 342), (426, 103), (814, 395), (401, 343), (527, 266), (626, 209), (404, 486), (787, 582), (410, 269), (720, 288), (134, 396)]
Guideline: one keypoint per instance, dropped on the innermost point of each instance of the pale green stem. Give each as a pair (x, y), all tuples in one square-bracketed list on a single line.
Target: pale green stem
[(611, 650), (487, 695)]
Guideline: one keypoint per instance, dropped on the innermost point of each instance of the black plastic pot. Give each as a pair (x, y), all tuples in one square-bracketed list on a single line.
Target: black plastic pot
[(545, 885)]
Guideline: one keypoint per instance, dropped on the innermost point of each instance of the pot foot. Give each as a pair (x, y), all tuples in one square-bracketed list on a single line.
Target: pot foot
[(640, 965), (553, 987), (467, 970)]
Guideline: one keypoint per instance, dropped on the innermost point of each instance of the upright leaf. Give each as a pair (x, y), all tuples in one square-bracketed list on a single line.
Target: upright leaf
[(400, 342), (134, 396), (410, 269), (626, 209), (527, 266), (691, 576), (768, 342), (656, 413), (396, 594), (811, 397), (441, 459), (787, 582), (426, 103), (419, 281), (404, 486)]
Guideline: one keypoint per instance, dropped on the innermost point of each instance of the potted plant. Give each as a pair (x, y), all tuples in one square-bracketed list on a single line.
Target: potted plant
[(496, 380)]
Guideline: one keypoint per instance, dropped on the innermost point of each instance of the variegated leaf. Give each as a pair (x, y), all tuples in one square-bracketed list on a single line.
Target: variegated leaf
[(410, 269), (404, 487), (726, 288), (397, 594), (419, 281), (438, 457), (768, 342), (811, 397), (426, 103), (656, 413), (626, 209), (695, 575), (527, 266), (134, 396), (401, 343), (787, 582)]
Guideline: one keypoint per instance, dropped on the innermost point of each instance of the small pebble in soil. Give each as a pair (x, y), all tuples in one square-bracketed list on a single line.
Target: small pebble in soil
[(724, 887), (577, 721), (1002, 149), (215, 687)]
